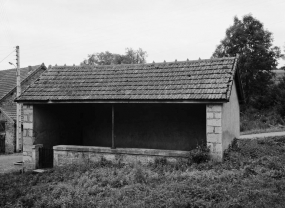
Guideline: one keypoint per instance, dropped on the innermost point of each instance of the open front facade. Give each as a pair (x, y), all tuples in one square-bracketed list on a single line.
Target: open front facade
[(177, 127), (140, 130), (147, 126)]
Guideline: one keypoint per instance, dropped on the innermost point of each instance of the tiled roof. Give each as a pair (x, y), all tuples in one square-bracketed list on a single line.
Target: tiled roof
[(209, 79), (10, 111), (8, 78)]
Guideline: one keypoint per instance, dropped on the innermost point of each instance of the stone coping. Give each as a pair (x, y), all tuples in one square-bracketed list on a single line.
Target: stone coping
[(130, 151)]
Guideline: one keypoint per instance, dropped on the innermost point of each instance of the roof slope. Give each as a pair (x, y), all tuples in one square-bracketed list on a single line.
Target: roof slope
[(10, 111), (209, 79), (8, 78)]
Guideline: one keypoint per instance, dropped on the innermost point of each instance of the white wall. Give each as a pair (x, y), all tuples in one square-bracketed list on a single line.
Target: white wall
[(231, 118)]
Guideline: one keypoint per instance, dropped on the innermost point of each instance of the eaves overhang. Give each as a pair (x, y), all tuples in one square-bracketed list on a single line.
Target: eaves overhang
[(120, 101)]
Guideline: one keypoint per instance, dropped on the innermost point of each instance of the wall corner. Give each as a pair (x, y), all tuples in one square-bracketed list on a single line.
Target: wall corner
[(214, 136)]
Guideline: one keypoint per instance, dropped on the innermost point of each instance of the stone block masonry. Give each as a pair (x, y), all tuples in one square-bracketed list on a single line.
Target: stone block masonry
[(71, 154), (28, 137), (214, 131)]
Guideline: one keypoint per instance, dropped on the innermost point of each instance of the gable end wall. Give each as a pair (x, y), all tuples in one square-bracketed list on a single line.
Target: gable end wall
[(231, 118)]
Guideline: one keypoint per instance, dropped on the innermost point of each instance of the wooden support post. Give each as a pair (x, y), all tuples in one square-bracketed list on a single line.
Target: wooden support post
[(113, 126)]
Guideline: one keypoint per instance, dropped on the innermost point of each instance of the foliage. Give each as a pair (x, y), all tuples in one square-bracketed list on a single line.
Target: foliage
[(200, 154), (253, 120), (106, 58), (279, 97), (252, 175), (268, 114), (249, 39)]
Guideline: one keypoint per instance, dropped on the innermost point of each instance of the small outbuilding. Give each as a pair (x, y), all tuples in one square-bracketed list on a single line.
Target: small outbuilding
[(134, 111), (8, 109)]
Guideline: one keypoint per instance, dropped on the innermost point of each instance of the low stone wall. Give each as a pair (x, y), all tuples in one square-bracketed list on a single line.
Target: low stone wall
[(68, 154)]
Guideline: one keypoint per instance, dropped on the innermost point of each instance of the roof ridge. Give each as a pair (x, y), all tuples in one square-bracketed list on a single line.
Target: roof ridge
[(187, 61)]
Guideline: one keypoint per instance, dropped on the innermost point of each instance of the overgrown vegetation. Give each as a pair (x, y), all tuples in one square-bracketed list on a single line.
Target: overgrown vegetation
[(252, 175), (267, 114)]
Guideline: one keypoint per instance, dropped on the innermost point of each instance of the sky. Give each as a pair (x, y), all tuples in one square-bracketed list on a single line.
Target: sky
[(66, 31)]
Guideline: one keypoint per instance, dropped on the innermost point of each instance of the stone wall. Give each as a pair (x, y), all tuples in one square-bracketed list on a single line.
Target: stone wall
[(70, 154), (28, 137), (214, 131)]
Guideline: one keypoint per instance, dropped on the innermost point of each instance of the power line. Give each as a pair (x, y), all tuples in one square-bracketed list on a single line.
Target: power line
[(7, 56)]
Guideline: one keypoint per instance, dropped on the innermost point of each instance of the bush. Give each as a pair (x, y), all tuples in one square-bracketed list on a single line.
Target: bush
[(265, 111), (257, 120), (139, 176), (200, 154), (160, 161), (279, 97)]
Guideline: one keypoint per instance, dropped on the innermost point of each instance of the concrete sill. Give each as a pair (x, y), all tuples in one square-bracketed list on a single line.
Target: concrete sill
[(129, 151)]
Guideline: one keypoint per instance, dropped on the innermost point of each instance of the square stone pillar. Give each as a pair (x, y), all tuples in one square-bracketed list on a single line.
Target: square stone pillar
[(35, 156), (214, 131), (28, 139)]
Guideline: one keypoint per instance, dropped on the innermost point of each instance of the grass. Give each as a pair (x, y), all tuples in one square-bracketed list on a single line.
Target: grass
[(252, 175)]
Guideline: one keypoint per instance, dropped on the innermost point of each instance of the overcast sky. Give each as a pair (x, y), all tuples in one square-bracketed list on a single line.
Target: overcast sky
[(66, 31)]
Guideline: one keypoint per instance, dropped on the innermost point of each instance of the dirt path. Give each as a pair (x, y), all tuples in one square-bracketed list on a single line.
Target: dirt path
[(7, 162), (262, 135)]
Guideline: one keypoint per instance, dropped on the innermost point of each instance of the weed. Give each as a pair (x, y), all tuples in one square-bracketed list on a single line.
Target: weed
[(160, 161), (139, 176), (199, 155)]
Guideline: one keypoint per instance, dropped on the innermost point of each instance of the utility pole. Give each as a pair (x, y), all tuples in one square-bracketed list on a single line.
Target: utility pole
[(19, 142)]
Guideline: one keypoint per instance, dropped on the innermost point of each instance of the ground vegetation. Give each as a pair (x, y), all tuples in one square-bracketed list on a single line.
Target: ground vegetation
[(252, 175)]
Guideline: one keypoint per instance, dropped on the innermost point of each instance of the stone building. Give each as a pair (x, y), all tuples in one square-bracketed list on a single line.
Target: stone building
[(136, 111), (8, 106)]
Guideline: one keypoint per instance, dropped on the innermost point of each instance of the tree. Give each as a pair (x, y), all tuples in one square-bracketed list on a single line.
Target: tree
[(258, 56), (106, 58)]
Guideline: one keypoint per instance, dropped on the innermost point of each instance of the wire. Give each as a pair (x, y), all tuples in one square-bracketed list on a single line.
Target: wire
[(7, 56)]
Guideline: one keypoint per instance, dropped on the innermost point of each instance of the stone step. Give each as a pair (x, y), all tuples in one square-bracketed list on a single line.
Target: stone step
[(39, 171), (18, 163)]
